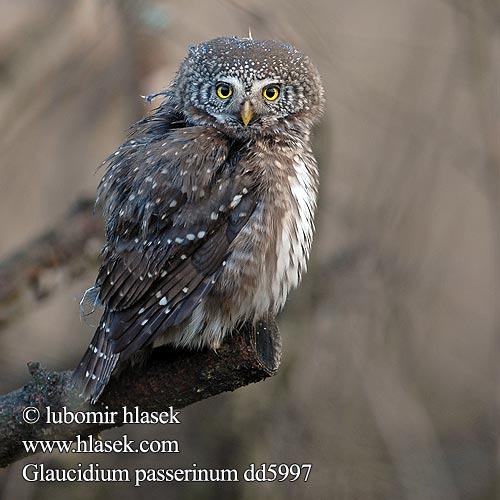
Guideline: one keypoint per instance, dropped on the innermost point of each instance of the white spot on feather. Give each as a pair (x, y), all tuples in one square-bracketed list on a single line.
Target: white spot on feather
[(235, 201)]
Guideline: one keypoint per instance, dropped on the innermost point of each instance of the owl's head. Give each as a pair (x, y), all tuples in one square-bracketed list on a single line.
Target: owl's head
[(248, 87)]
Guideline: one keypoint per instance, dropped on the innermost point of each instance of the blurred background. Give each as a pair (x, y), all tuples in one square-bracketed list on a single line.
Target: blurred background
[(390, 378)]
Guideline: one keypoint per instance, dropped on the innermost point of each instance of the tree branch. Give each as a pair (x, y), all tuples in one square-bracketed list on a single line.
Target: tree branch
[(49, 262), (172, 377)]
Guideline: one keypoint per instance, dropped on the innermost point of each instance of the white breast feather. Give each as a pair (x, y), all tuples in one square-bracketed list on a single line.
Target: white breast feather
[(296, 236)]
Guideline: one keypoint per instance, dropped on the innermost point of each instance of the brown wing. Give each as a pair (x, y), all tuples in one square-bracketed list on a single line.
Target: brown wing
[(170, 288), (169, 231)]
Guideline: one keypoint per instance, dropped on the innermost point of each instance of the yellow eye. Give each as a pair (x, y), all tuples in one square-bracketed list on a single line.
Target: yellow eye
[(224, 90), (271, 93)]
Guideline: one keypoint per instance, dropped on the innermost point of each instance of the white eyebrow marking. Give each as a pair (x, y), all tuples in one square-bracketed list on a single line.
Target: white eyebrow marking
[(258, 85), (238, 88)]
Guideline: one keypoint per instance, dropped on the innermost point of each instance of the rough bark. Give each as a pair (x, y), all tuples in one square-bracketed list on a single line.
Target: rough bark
[(172, 377)]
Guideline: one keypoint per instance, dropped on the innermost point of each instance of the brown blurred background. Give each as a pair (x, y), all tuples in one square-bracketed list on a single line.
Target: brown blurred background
[(391, 370)]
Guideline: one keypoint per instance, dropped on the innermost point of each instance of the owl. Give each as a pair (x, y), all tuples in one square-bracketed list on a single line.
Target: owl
[(208, 205)]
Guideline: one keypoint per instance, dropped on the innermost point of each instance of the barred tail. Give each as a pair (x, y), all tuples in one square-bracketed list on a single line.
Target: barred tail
[(94, 371)]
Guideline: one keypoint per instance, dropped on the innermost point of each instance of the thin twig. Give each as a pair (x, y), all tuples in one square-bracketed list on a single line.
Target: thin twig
[(50, 262)]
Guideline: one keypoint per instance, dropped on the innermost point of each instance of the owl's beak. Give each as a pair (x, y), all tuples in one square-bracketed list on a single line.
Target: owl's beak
[(246, 112)]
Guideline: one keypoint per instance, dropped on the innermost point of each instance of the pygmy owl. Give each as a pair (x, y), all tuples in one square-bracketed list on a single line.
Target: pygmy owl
[(209, 204)]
